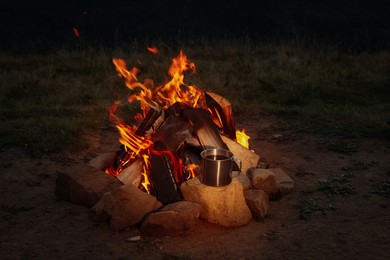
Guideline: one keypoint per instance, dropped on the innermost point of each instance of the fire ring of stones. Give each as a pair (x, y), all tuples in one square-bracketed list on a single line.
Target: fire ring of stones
[(118, 201), (154, 180)]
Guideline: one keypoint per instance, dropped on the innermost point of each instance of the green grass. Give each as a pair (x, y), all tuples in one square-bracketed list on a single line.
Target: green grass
[(307, 207), (382, 189), (55, 101), (337, 185)]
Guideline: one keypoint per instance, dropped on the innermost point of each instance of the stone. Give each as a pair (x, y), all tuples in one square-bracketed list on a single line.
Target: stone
[(224, 206), (84, 185), (172, 220), (284, 182), (258, 203), (103, 161), (263, 179), (124, 207), (246, 183)]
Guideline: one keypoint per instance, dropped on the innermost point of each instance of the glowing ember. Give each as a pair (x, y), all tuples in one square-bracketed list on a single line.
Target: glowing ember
[(152, 49), (76, 32)]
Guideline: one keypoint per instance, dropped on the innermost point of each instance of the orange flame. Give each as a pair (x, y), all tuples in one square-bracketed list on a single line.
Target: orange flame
[(191, 169), (145, 168), (135, 145), (161, 96), (242, 138), (147, 94)]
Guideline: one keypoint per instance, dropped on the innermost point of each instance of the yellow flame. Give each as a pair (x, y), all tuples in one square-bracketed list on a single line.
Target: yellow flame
[(191, 169), (242, 138), (146, 166)]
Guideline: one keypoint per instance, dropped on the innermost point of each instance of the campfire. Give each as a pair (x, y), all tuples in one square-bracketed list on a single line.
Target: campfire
[(178, 122), (156, 178)]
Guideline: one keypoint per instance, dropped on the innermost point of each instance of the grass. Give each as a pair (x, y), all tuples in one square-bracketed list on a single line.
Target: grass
[(309, 206), (335, 185), (55, 101), (382, 189)]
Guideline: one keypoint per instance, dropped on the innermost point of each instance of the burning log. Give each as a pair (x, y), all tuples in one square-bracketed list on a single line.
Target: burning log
[(206, 132), (149, 121), (221, 110), (173, 132), (163, 177), (131, 174)]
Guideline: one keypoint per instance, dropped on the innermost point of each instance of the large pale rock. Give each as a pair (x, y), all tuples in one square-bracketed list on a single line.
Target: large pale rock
[(224, 206), (174, 219), (263, 179), (258, 203), (84, 185), (103, 161), (284, 182), (124, 207)]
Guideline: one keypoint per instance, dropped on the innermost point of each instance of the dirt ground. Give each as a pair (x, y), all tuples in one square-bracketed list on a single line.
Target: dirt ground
[(36, 225)]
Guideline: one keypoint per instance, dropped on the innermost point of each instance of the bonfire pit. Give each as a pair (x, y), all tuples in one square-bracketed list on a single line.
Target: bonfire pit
[(154, 179)]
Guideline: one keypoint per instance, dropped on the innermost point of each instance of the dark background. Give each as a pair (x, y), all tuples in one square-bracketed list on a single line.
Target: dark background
[(45, 25)]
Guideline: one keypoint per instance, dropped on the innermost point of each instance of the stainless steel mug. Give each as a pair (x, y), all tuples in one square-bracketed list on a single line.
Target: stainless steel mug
[(217, 166)]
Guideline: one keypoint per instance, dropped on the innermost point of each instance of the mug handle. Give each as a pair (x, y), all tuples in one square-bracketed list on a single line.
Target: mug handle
[(236, 159)]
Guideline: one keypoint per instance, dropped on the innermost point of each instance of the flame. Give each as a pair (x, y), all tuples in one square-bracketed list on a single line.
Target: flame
[(135, 145), (165, 95), (242, 138), (215, 116), (145, 168), (162, 96), (147, 94), (191, 169), (76, 32), (152, 49)]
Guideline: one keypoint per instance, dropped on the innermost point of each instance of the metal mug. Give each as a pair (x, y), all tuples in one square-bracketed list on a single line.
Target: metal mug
[(217, 167)]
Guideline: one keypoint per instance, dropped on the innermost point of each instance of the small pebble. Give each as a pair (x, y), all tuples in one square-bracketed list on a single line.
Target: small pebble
[(133, 239)]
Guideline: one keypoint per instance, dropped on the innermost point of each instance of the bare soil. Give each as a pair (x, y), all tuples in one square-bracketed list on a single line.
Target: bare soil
[(36, 225)]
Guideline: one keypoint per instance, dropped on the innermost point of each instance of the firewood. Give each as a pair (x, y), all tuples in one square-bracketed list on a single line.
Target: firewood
[(247, 157), (131, 174), (173, 132), (204, 128), (221, 106)]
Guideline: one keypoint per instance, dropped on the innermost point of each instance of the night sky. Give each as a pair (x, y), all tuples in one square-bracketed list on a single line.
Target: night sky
[(49, 24)]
